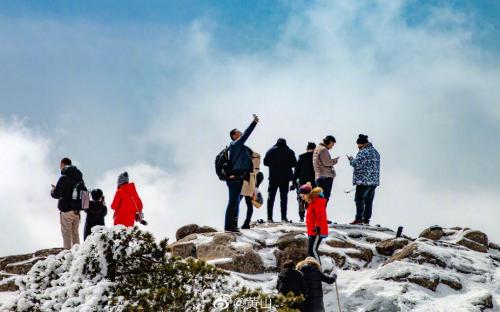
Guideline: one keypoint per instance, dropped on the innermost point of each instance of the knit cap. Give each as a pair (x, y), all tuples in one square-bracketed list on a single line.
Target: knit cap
[(305, 189), (123, 178)]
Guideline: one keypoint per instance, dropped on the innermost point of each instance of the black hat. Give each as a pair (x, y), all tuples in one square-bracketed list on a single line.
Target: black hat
[(362, 139), (329, 138), (311, 145)]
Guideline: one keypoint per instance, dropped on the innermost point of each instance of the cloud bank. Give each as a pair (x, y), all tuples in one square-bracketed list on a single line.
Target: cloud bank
[(424, 91)]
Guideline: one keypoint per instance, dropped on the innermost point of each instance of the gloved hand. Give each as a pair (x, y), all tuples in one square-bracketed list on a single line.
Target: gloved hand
[(293, 187), (334, 276), (317, 230)]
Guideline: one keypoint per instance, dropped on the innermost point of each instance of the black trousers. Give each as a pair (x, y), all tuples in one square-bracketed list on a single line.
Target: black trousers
[(272, 190), (314, 242), (364, 201), (326, 184)]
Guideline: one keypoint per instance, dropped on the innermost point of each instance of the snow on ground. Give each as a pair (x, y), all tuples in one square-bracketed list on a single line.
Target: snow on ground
[(6, 296)]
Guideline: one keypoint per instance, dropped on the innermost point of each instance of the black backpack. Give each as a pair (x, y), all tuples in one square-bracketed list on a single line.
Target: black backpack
[(223, 165), (79, 196)]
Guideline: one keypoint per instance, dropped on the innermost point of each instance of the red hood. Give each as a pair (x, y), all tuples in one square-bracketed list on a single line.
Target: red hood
[(128, 187)]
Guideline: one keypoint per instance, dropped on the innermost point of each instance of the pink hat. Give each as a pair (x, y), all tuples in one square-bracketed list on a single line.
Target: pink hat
[(305, 189)]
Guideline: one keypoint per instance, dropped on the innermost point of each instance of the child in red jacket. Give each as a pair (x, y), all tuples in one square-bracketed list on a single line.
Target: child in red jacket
[(316, 220)]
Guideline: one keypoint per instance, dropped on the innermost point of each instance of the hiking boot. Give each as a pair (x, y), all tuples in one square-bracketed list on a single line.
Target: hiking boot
[(329, 222), (302, 220), (270, 221), (285, 220), (366, 222), (356, 222), (245, 226), (232, 230)]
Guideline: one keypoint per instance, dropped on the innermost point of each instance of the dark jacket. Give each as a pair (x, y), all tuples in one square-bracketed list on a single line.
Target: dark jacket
[(95, 216), (313, 279), (280, 159), (290, 280), (70, 176), (239, 154), (304, 171)]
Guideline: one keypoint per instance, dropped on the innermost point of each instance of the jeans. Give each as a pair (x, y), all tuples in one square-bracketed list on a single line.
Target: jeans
[(326, 184), (234, 186), (364, 201), (248, 201), (273, 189)]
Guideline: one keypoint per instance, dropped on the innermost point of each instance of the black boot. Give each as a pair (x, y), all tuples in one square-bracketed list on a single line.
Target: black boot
[(246, 225)]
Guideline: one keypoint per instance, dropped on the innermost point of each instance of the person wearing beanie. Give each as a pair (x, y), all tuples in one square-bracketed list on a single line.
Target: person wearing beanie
[(126, 202), (366, 178), (304, 172), (95, 213), (281, 160), (316, 220)]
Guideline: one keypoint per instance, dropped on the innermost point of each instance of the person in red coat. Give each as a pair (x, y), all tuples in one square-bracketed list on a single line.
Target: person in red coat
[(316, 220), (126, 202)]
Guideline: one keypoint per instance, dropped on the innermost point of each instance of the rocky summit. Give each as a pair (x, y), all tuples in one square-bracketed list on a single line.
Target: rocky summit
[(444, 269)]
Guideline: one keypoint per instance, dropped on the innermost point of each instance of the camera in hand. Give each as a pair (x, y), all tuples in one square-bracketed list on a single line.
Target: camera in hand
[(139, 217)]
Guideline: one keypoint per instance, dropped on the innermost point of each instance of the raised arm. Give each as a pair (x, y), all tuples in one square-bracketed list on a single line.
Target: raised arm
[(244, 137)]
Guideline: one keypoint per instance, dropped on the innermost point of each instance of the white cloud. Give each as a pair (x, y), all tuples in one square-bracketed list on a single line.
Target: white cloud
[(425, 93), (30, 219)]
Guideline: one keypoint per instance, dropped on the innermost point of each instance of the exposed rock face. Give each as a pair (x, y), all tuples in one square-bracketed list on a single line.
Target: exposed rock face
[(435, 233), (477, 236), (192, 229), (388, 246), (183, 249)]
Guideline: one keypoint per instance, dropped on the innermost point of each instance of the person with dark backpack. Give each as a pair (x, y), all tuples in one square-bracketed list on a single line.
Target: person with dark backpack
[(95, 213), (304, 172), (68, 192), (235, 167)]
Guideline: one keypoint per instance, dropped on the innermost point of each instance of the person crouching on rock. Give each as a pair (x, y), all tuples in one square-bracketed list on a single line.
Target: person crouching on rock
[(313, 277), (95, 213), (316, 220), (126, 203)]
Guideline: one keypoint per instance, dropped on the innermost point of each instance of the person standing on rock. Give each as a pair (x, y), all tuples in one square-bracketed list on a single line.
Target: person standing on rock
[(316, 220), (240, 157), (304, 172), (95, 213), (324, 165), (313, 278), (281, 160), (366, 178), (250, 186), (65, 191), (291, 280), (127, 203)]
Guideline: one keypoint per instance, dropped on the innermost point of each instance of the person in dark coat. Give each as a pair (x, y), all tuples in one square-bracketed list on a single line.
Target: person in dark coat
[(95, 213), (291, 280), (313, 278), (304, 173), (69, 212), (241, 161), (281, 160)]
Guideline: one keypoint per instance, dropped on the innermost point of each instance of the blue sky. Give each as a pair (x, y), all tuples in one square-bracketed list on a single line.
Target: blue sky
[(153, 87)]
